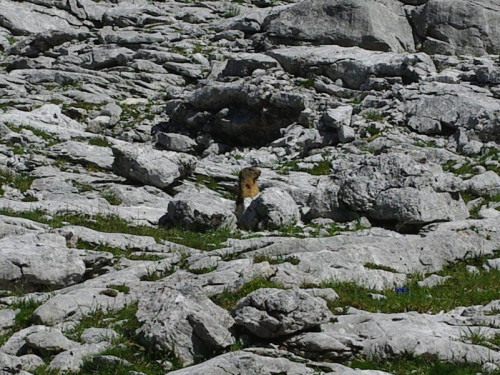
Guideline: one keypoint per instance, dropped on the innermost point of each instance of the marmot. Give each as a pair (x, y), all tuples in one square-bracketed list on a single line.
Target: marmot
[(247, 186)]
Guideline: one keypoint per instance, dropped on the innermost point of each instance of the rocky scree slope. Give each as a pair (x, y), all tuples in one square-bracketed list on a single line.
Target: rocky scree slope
[(374, 241)]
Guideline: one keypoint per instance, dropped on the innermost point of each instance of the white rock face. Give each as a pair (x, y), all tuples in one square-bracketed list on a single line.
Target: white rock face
[(186, 323), (271, 209), (270, 313), (37, 260), (367, 148), (151, 167), (201, 211)]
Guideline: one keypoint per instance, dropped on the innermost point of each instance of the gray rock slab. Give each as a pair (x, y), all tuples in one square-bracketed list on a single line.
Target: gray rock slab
[(72, 360), (50, 341), (74, 304), (433, 280), (46, 118), (10, 364), (354, 66), (458, 27), (271, 209), (139, 215), (7, 318), (186, 323), (34, 260), (261, 361), (485, 184), (434, 107), (388, 335), (151, 167), (343, 257), (244, 64), (420, 195), (346, 22), (271, 313), (84, 153), (176, 142), (29, 18), (201, 211)]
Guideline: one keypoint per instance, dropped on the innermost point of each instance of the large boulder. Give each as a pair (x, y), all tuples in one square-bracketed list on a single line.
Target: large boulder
[(35, 261), (393, 187), (151, 167), (271, 313), (247, 111), (354, 66), (442, 108), (201, 211), (458, 26), (185, 323), (486, 184), (347, 23), (271, 209)]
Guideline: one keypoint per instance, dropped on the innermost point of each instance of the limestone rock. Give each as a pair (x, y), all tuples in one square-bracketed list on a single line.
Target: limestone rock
[(176, 142), (151, 167), (271, 209), (485, 184), (35, 260), (79, 152), (186, 323), (353, 65), (270, 313), (72, 360), (345, 22), (458, 27), (201, 211)]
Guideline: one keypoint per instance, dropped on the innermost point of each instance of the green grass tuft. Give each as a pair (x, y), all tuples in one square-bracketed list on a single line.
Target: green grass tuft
[(228, 299), (462, 289), (408, 364), (208, 240)]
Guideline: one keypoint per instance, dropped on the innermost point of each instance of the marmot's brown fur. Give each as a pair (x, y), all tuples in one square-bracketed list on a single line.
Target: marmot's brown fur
[(247, 186)]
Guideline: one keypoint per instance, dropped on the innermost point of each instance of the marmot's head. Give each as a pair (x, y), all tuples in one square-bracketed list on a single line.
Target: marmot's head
[(249, 173)]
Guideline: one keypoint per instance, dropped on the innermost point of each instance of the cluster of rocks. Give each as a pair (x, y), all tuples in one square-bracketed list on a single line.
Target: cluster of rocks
[(378, 144)]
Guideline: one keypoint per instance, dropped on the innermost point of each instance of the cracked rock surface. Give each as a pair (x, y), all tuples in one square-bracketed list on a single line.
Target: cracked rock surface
[(373, 238)]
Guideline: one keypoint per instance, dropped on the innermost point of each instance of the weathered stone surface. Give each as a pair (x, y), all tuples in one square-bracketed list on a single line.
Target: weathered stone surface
[(270, 313), (186, 323), (72, 360), (28, 18), (345, 22), (79, 152), (390, 335), (264, 362), (244, 64), (176, 142), (354, 66), (77, 303), (201, 211), (271, 209), (458, 27), (437, 108), (50, 341), (486, 184), (151, 167), (420, 195), (39, 260)]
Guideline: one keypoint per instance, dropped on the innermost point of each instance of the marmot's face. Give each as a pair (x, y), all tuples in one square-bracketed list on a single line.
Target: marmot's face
[(249, 173)]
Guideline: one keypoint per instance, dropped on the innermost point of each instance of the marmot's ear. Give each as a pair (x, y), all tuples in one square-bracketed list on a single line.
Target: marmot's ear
[(258, 172)]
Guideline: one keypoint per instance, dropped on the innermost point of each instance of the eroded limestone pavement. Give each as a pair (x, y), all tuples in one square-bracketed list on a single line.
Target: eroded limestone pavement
[(375, 123)]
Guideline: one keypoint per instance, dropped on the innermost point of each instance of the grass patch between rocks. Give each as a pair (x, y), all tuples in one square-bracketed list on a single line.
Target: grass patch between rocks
[(126, 347), (462, 289), (228, 299), (208, 240), (408, 364)]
